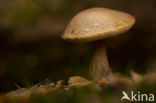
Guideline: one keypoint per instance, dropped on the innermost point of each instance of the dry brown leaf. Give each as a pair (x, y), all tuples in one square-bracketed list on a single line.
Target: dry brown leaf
[(78, 81)]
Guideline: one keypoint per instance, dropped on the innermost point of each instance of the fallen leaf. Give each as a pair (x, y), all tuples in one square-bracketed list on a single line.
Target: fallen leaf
[(78, 81)]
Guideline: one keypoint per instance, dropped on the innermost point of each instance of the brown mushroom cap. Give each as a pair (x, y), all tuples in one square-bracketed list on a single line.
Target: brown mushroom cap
[(97, 23)]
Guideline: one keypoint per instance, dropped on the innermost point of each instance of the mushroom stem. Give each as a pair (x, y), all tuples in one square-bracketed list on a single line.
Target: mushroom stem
[(99, 65)]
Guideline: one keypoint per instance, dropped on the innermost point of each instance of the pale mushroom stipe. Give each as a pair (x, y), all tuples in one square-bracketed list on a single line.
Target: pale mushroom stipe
[(96, 25)]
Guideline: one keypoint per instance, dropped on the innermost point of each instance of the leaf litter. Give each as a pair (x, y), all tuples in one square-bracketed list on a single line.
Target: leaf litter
[(115, 80)]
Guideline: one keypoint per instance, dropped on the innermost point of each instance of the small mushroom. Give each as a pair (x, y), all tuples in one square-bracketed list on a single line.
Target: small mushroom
[(96, 25)]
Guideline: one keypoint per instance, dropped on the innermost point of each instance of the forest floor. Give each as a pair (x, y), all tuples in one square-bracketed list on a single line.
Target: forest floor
[(81, 90)]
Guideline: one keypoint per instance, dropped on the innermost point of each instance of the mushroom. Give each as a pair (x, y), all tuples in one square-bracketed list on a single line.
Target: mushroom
[(96, 25)]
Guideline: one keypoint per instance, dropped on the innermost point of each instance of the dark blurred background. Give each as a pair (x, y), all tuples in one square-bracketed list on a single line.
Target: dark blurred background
[(32, 50)]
